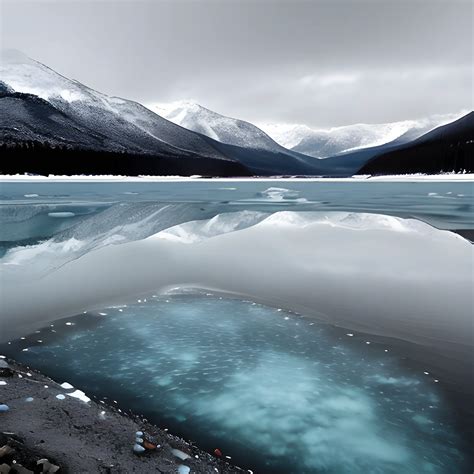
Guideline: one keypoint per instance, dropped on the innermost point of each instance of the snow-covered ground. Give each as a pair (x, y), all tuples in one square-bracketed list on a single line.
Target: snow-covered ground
[(403, 177)]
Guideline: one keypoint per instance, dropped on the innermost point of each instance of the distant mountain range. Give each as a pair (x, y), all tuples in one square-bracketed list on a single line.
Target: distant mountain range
[(323, 143), (44, 115)]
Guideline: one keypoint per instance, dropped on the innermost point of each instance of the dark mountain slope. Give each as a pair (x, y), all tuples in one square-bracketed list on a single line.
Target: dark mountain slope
[(26, 117), (36, 137), (447, 148)]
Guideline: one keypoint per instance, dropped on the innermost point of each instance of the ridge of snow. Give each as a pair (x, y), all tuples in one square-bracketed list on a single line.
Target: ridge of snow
[(190, 115)]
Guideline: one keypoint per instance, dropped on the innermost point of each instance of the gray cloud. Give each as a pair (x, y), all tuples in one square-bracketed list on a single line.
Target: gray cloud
[(316, 62)]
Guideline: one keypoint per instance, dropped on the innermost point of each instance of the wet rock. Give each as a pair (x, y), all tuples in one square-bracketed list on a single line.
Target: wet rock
[(149, 445), (48, 467), (138, 449), (4, 408), (6, 450), (147, 440), (5, 369), (19, 469)]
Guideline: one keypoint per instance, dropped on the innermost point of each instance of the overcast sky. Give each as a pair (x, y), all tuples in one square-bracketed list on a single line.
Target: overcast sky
[(322, 63)]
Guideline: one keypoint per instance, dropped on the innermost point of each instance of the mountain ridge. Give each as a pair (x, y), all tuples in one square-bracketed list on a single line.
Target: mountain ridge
[(325, 142), (130, 125), (222, 128), (44, 108)]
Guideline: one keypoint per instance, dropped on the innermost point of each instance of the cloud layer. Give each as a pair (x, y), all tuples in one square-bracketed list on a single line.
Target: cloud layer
[(321, 63)]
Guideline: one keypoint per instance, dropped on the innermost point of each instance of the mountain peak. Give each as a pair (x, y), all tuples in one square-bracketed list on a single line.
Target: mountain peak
[(193, 116), (29, 76)]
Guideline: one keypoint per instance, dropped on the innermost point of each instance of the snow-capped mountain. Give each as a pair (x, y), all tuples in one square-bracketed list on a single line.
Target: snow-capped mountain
[(224, 129), (40, 106), (124, 125), (322, 143)]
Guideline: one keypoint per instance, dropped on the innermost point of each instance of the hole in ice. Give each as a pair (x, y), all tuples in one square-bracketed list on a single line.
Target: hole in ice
[(278, 396)]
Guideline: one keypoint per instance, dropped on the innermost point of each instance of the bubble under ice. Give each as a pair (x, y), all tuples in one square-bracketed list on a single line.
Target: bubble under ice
[(277, 391)]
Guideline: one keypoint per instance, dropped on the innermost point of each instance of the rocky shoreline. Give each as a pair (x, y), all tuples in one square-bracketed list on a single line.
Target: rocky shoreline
[(48, 427)]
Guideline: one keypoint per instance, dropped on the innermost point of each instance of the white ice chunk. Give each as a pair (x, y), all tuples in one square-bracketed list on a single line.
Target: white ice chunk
[(180, 454), (79, 394)]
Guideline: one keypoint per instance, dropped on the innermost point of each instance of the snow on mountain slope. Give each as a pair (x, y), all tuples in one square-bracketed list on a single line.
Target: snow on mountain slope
[(124, 125), (287, 134), (127, 124), (219, 127), (322, 143), (25, 117)]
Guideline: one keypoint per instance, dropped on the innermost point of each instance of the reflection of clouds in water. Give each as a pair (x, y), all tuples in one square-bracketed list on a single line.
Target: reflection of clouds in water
[(361, 270)]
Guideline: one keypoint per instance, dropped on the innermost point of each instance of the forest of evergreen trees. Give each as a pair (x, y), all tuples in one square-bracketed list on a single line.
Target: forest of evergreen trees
[(43, 158), (431, 157)]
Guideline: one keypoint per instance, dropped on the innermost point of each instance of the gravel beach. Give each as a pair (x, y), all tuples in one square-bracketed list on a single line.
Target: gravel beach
[(48, 427)]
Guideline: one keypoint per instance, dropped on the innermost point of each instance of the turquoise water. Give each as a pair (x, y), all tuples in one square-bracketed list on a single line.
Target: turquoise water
[(278, 392)]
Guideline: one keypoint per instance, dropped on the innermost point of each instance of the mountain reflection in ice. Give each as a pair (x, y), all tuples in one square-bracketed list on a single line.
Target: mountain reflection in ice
[(275, 390)]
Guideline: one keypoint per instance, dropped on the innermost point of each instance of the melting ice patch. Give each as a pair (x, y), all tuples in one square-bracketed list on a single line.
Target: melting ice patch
[(278, 392), (280, 194)]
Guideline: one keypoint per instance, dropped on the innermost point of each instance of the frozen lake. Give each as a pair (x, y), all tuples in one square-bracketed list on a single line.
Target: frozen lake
[(444, 204), (385, 291)]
